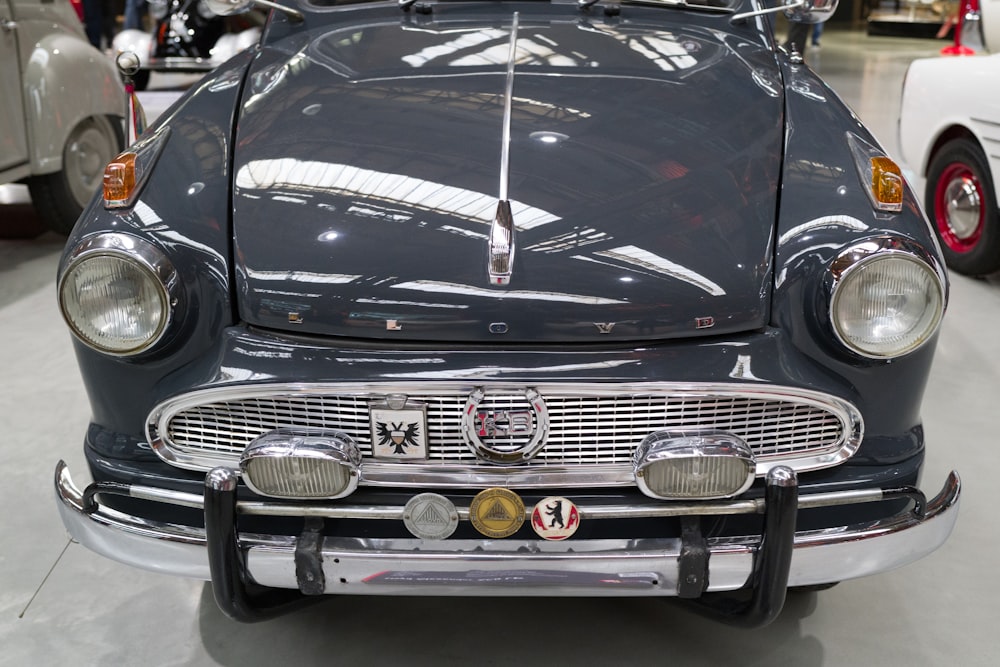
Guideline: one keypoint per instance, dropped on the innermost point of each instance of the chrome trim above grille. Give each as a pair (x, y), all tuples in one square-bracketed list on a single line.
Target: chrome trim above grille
[(593, 428)]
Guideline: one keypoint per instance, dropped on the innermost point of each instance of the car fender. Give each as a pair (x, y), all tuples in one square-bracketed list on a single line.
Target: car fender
[(184, 212), (963, 105), (65, 81), (824, 210), (136, 41)]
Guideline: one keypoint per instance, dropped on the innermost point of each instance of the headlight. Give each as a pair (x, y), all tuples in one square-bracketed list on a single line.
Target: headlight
[(302, 464), (115, 294), (677, 464), (887, 298)]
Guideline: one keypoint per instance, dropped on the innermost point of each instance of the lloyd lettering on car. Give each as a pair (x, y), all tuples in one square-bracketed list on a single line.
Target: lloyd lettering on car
[(399, 429)]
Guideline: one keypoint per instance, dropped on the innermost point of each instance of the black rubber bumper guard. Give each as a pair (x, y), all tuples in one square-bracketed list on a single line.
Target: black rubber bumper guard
[(754, 606)]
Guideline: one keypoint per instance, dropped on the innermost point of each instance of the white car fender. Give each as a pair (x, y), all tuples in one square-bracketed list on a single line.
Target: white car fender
[(940, 93), (65, 81)]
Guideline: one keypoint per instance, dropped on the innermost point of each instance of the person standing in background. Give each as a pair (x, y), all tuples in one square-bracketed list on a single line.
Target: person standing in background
[(135, 12), (93, 20)]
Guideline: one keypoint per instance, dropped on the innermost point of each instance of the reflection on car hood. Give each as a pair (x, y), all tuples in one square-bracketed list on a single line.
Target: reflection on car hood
[(643, 168)]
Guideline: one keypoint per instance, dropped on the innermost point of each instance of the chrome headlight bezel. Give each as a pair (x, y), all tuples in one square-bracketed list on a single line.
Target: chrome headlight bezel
[(150, 262), (319, 459), (849, 264)]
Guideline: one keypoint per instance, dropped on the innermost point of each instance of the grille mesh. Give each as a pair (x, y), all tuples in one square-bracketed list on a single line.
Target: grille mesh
[(592, 429)]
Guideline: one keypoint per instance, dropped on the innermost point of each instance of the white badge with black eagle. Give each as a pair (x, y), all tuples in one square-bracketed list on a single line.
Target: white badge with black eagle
[(399, 433)]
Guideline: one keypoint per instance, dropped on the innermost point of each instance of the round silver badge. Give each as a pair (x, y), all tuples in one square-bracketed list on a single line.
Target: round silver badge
[(430, 516)]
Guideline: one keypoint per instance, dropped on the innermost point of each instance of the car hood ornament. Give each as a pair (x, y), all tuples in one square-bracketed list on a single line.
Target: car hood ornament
[(501, 248), (501, 258)]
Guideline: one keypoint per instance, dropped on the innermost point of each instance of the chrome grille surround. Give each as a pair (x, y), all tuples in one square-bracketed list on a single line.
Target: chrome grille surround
[(594, 428)]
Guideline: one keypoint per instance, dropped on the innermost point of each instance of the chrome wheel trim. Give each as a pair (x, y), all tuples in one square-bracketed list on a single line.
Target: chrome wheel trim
[(89, 148), (958, 207)]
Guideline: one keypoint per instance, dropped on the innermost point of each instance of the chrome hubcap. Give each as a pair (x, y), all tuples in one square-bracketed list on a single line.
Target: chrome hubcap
[(963, 206), (86, 156)]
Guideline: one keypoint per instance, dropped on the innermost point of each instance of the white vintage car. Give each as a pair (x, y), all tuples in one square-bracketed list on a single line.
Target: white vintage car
[(61, 108), (949, 134)]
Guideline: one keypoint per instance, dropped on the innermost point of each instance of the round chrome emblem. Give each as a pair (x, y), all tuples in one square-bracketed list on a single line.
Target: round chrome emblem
[(497, 512), (430, 516), (505, 428), (555, 518)]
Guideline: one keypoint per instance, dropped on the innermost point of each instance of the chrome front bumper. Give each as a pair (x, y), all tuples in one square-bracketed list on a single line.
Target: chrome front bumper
[(643, 567)]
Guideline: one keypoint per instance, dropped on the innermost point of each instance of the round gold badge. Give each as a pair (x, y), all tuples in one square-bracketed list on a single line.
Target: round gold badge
[(497, 512)]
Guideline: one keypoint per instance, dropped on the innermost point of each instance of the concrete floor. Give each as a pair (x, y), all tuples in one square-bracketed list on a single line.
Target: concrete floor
[(61, 604)]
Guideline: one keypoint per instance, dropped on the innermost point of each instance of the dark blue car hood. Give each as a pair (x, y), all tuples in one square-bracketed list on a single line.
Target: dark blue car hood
[(644, 166)]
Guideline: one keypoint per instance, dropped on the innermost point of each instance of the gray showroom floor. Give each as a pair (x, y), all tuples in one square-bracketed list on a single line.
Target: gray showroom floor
[(60, 604)]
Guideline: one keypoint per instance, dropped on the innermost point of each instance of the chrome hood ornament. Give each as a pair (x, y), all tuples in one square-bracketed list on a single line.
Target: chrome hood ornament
[(500, 261)]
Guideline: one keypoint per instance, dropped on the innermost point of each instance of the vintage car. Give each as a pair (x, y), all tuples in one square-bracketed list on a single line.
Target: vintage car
[(949, 127), (187, 37), (507, 298), (61, 108)]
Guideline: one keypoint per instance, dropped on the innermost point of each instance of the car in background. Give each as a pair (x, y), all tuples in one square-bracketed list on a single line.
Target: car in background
[(186, 38), (62, 105), (949, 134), (507, 298)]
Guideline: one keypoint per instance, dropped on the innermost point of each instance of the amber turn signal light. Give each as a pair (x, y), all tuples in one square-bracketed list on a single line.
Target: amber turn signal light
[(119, 180), (887, 184)]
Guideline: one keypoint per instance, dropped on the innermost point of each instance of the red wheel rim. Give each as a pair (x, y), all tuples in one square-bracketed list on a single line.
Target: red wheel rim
[(959, 213)]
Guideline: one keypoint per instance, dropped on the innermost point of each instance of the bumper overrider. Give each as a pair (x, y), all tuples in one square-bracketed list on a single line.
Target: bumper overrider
[(741, 580)]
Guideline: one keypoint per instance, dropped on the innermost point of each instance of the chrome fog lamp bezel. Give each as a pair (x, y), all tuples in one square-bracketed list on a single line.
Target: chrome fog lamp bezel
[(143, 255), (706, 447), (849, 263), (331, 447)]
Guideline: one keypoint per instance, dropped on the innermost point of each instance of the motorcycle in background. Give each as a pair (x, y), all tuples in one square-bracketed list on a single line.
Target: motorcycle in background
[(187, 38)]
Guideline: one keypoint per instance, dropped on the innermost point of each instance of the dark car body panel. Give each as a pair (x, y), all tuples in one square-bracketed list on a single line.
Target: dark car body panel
[(620, 220)]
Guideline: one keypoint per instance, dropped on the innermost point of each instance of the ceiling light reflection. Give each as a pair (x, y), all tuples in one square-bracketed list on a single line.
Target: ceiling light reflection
[(303, 276), (494, 371), (527, 295), (646, 260), (344, 179)]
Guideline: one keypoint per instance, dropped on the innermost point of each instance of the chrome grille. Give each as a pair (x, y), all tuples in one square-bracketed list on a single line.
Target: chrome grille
[(597, 425)]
